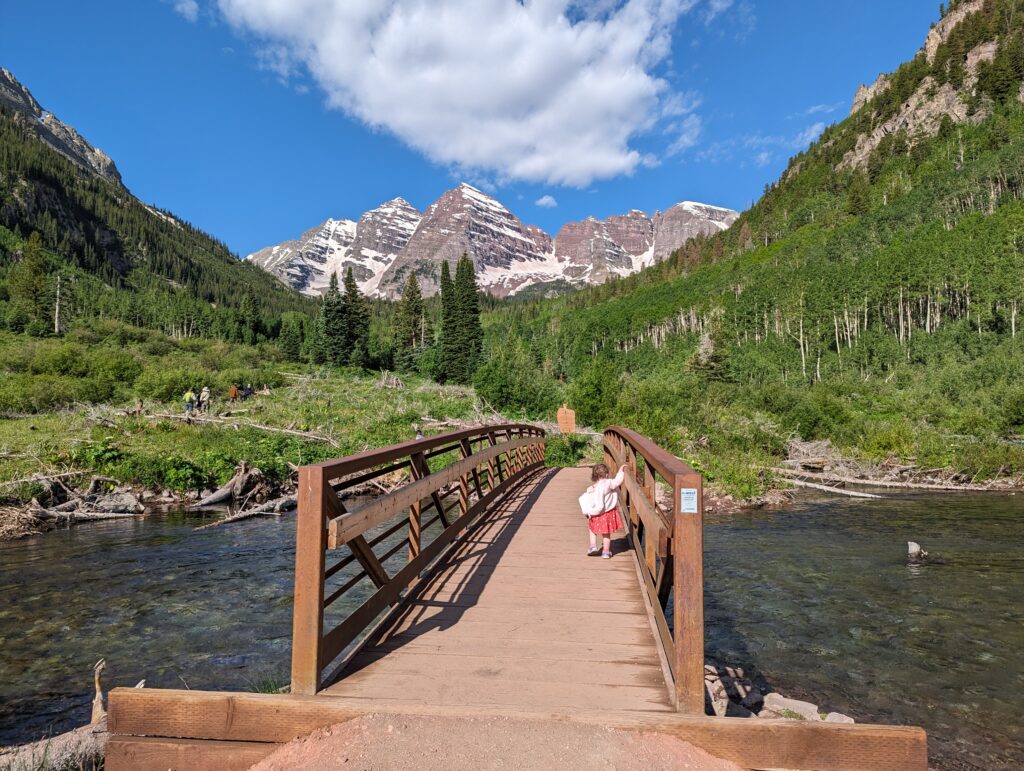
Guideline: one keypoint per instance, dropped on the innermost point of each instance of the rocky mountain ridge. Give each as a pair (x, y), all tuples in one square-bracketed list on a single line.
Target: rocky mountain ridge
[(509, 255), (57, 134), (938, 96)]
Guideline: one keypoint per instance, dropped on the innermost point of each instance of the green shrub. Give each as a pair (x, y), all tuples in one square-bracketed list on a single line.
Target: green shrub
[(565, 450), (511, 381), (163, 384)]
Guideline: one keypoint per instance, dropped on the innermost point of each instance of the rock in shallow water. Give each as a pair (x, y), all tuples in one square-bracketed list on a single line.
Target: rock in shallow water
[(780, 705), (838, 717)]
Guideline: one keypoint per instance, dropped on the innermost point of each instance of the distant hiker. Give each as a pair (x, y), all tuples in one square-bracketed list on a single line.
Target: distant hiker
[(190, 401), (601, 507), (204, 399), (139, 408), (247, 392), (265, 391), (233, 393)]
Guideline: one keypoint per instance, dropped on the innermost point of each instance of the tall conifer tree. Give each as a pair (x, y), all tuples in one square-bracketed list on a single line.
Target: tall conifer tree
[(335, 326), (447, 355), (357, 318), (468, 342), (409, 324)]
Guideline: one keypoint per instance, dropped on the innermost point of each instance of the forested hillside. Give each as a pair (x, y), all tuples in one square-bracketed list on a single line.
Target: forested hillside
[(117, 258), (872, 296)]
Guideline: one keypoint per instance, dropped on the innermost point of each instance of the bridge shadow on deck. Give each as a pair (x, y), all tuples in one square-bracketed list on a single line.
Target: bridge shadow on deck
[(478, 553)]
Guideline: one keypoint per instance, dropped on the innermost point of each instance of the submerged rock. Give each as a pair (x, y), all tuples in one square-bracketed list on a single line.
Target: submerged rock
[(783, 707)]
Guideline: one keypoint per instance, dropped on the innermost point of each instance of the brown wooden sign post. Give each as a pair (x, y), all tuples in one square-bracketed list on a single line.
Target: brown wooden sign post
[(566, 420)]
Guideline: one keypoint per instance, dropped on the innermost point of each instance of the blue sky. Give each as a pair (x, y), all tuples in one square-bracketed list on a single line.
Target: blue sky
[(257, 119)]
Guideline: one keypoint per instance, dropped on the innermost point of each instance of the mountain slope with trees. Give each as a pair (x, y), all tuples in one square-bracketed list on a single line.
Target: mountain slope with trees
[(117, 257), (871, 297)]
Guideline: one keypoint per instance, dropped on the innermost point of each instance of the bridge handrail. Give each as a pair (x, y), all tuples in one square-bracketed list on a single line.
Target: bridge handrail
[(668, 538), (457, 474)]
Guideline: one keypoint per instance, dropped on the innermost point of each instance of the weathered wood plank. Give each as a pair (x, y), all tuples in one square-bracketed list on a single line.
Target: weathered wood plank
[(142, 753), (752, 743)]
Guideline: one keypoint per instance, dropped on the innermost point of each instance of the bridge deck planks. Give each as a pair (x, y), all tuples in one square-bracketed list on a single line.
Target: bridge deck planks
[(521, 618)]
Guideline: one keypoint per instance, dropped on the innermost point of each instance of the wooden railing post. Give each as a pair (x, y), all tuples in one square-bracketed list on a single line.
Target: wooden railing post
[(688, 591), (308, 613)]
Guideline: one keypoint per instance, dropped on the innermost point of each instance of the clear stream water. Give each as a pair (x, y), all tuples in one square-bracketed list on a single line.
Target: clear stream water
[(816, 597)]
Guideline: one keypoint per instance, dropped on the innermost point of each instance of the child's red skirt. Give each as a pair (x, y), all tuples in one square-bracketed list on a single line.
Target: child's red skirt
[(605, 524)]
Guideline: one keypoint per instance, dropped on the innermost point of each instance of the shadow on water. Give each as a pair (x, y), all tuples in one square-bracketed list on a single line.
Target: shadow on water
[(819, 598)]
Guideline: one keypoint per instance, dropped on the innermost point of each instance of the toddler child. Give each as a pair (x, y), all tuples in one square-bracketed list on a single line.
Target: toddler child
[(608, 522)]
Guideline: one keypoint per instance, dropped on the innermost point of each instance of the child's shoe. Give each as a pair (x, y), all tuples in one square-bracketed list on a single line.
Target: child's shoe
[(593, 551), (606, 555)]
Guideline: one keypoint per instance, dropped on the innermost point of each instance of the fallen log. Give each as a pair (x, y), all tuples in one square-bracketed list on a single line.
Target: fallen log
[(83, 516), (836, 490), (42, 478), (245, 480), (285, 503), (967, 487)]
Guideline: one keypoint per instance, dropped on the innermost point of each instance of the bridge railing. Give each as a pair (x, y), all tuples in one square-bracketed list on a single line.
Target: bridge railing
[(349, 545), (663, 500)]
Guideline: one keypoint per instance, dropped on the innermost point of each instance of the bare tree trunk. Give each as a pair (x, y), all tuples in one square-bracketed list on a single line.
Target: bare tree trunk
[(56, 310)]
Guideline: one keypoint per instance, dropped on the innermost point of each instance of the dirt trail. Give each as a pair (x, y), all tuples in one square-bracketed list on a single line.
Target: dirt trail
[(447, 744)]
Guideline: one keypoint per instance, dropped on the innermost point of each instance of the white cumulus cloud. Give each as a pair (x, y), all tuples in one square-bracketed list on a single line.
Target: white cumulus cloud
[(546, 201), (189, 9), (553, 91)]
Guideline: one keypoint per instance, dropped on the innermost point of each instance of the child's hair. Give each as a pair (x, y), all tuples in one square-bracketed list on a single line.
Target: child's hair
[(600, 471)]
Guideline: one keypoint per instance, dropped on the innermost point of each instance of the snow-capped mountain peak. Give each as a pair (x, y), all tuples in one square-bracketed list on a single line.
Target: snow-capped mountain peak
[(388, 242)]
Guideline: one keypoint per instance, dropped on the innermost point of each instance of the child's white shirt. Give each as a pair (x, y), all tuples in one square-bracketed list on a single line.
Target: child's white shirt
[(606, 488)]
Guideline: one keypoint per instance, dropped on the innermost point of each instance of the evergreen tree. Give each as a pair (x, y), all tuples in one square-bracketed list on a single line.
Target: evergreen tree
[(409, 324), (468, 338), (858, 197), (357, 317), (447, 354), (28, 286), (290, 338), (334, 326), (248, 321)]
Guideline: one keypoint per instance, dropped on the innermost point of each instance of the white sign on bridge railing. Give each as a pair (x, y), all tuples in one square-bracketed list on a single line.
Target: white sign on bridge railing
[(688, 504)]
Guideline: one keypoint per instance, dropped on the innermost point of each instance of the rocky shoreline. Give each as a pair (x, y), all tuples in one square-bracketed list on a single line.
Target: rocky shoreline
[(732, 693)]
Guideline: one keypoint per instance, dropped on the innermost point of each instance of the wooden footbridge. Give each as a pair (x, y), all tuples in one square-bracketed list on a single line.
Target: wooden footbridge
[(463, 589)]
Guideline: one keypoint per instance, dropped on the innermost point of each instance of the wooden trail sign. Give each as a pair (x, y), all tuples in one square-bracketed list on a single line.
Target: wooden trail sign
[(566, 420)]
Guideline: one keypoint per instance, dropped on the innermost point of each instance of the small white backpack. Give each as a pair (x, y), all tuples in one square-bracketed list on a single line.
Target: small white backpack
[(592, 502)]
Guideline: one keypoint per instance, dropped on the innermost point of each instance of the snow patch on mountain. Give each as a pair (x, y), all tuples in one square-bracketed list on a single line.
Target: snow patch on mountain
[(389, 242)]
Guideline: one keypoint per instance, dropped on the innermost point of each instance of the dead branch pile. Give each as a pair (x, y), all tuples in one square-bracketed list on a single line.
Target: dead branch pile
[(58, 504), (17, 523), (237, 424), (820, 462)]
